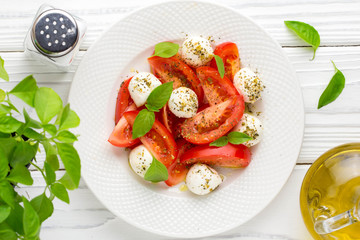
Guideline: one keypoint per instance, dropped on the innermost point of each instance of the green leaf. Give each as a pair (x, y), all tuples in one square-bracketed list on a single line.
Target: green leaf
[(66, 137), (3, 74), (50, 128), (220, 142), (166, 49), (143, 123), (4, 164), (151, 108), (51, 155), (67, 182), (29, 122), (47, 104), (60, 192), (4, 109), (9, 124), (64, 114), (23, 153), (20, 174), (50, 174), (71, 160), (220, 65), (7, 193), (238, 137), (15, 219), (306, 32), (333, 89), (160, 95), (7, 233), (32, 134), (12, 107), (31, 220), (71, 121), (2, 94), (157, 172), (25, 90), (4, 212), (43, 206), (8, 146)]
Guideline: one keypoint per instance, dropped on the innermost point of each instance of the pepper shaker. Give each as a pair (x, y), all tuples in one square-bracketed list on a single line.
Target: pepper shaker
[(54, 37)]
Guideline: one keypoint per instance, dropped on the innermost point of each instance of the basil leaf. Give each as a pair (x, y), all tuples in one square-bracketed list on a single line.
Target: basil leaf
[(50, 128), (4, 212), (238, 137), (20, 174), (60, 192), (166, 49), (306, 32), (25, 90), (23, 154), (9, 124), (4, 165), (220, 142), (7, 193), (51, 155), (4, 109), (29, 122), (160, 95), (220, 65), (47, 104), (15, 219), (7, 233), (3, 74), (143, 123), (43, 206), (32, 134), (67, 182), (66, 137), (71, 121), (333, 89), (50, 174), (151, 108), (2, 95), (8, 146), (71, 160), (157, 172), (12, 107), (64, 114), (31, 220)]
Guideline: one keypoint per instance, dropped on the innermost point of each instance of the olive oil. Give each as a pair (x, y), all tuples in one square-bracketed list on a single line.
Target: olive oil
[(331, 187)]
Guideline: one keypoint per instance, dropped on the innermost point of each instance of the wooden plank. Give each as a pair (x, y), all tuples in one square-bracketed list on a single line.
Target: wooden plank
[(338, 22)]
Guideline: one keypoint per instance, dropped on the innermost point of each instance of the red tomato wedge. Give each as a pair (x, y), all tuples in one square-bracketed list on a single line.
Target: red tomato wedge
[(216, 89), (158, 140), (177, 170), (175, 70), (227, 156), (121, 136), (229, 53), (213, 122), (171, 122), (123, 100)]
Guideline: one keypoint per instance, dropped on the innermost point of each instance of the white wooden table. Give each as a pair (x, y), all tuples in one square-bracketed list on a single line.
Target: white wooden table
[(338, 22)]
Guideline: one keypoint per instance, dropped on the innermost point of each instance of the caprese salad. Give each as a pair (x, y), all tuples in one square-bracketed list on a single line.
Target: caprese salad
[(188, 114)]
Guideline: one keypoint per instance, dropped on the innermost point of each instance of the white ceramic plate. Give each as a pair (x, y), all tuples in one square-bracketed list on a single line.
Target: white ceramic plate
[(155, 207)]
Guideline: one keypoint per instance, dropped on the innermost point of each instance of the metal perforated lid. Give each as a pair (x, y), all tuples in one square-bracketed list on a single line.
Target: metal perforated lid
[(55, 33)]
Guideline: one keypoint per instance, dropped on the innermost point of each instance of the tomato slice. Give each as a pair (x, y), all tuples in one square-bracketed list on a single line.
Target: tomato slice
[(123, 100), (229, 53), (158, 140), (227, 156), (121, 136), (174, 70), (171, 122), (213, 122), (177, 170), (216, 89)]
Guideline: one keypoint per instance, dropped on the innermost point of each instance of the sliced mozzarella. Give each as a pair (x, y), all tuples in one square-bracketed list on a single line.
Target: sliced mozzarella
[(140, 160), (202, 179), (248, 84), (197, 51), (141, 86), (183, 102), (251, 126)]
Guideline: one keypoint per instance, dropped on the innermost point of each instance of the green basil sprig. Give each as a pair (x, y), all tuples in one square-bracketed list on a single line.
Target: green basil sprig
[(166, 49), (220, 65), (233, 137), (306, 32), (3, 74), (157, 172), (333, 89), (146, 117)]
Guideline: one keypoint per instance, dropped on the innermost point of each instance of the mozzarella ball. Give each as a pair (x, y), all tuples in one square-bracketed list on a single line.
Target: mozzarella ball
[(248, 84), (141, 86), (140, 160), (202, 179), (197, 51), (251, 126), (183, 102)]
